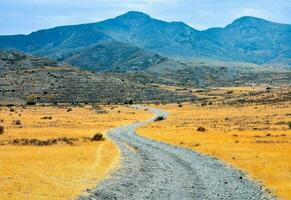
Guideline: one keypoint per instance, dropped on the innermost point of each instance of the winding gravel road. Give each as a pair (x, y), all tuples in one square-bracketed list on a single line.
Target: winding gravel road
[(154, 170)]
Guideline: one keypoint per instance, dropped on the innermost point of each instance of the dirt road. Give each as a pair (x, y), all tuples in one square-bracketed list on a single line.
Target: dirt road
[(154, 170)]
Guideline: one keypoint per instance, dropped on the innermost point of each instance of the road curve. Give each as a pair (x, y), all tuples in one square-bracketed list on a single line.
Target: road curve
[(157, 171)]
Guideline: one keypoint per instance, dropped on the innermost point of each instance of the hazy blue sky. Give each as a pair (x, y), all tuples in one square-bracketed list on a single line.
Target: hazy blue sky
[(24, 16)]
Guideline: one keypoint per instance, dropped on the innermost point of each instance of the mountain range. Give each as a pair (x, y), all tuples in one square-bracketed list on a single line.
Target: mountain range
[(136, 41)]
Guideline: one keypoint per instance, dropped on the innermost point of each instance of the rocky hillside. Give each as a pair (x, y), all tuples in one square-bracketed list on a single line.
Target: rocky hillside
[(33, 79), (205, 73), (247, 39), (113, 56)]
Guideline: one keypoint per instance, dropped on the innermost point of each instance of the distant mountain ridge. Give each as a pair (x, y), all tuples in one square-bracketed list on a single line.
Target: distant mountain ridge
[(142, 41), (76, 45)]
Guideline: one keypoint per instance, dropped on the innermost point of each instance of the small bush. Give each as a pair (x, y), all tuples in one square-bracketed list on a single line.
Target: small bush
[(203, 104), (69, 110), (1, 130), (159, 118), (130, 102), (16, 122), (289, 125), (180, 105), (201, 129), (97, 137), (31, 103), (47, 117)]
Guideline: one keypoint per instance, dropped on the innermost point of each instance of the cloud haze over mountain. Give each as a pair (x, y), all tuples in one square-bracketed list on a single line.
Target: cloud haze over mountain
[(31, 15)]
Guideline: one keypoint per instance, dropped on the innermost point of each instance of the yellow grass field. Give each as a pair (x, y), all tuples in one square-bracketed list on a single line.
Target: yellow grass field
[(60, 171), (253, 138)]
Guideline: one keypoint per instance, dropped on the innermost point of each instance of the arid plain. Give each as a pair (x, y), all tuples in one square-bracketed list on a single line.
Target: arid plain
[(253, 136), (33, 166)]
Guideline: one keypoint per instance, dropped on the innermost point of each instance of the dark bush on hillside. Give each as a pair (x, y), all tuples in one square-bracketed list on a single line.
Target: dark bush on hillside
[(130, 102), (203, 104), (31, 103), (229, 92), (289, 125)]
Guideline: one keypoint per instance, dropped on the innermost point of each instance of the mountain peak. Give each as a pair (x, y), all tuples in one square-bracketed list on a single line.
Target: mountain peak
[(248, 20), (135, 14)]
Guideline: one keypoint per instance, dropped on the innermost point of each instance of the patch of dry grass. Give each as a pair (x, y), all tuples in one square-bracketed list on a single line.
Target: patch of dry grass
[(254, 138), (59, 171)]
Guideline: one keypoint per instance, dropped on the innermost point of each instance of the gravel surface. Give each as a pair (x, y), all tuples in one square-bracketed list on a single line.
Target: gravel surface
[(154, 170)]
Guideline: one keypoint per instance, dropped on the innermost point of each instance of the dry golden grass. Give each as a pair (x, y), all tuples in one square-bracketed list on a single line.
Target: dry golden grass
[(59, 171), (254, 138)]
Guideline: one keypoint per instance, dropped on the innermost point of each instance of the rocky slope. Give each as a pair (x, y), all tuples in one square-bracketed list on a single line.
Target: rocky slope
[(113, 56), (25, 78)]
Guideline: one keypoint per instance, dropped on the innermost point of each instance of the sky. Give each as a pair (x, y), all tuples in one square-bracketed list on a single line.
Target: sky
[(25, 16)]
